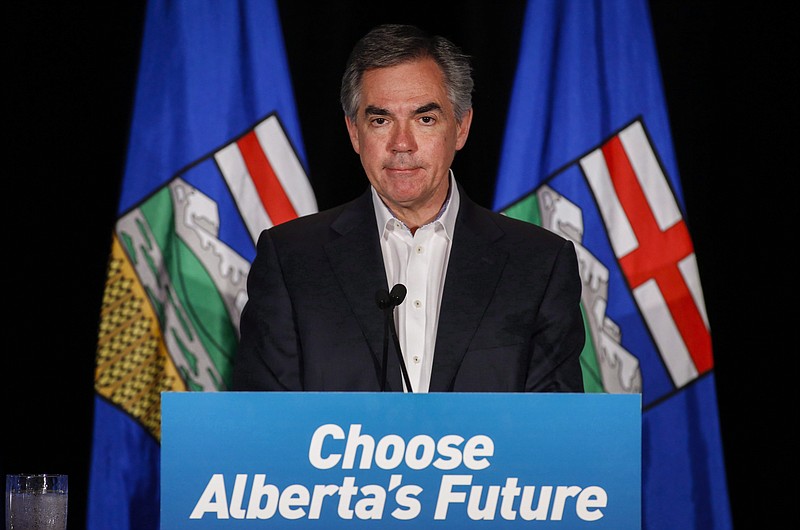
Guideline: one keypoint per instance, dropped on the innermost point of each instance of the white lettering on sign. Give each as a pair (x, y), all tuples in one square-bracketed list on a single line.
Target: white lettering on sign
[(482, 506), (253, 497), (508, 501), (388, 452)]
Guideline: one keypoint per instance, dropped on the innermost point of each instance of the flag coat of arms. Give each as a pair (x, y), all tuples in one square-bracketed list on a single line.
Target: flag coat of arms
[(214, 157), (588, 154)]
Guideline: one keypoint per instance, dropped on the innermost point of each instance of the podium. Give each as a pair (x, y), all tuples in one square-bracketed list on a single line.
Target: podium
[(308, 460)]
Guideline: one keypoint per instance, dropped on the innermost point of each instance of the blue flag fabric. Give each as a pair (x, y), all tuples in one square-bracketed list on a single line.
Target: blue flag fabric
[(588, 154), (214, 157)]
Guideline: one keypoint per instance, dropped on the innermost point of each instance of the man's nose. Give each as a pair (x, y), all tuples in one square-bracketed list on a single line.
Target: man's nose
[(402, 139)]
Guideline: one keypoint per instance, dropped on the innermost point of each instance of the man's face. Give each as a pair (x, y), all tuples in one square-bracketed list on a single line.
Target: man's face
[(407, 135)]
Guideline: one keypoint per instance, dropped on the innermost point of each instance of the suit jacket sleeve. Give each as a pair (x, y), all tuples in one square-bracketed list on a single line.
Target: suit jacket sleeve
[(268, 356), (559, 336)]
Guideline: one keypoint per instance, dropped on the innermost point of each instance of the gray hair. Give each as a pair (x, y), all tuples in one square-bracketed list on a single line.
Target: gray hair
[(393, 44)]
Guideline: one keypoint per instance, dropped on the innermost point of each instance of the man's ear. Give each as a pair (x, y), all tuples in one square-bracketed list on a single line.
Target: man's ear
[(463, 130), (352, 130)]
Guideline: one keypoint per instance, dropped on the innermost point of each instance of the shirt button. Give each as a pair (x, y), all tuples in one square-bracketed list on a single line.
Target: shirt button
[(415, 359), (419, 249), (417, 303)]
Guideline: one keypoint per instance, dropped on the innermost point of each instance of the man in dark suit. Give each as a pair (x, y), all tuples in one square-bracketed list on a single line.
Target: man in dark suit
[(493, 304)]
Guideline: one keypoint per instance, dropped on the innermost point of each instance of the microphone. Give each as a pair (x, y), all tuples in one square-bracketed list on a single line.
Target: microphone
[(398, 294), (387, 301)]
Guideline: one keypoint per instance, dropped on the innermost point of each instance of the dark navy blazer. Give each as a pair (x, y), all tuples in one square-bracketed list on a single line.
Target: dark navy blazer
[(510, 318)]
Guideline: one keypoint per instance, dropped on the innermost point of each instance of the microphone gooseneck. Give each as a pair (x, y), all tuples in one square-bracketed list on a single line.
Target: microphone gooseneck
[(387, 301), (382, 298)]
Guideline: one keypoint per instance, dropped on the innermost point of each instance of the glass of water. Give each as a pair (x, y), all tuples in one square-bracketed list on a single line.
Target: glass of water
[(36, 502)]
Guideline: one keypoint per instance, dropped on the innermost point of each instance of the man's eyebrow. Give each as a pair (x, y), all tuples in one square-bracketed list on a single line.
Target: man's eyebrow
[(428, 108), (371, 110)]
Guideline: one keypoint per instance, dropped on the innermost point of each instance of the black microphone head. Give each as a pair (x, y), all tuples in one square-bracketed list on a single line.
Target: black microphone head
[(398, 294), (382, 298)]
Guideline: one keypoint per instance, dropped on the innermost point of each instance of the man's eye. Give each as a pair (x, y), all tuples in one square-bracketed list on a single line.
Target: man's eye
[(379, 121), (428, 120)]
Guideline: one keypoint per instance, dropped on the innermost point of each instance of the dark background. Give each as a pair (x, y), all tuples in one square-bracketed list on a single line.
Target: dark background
[(72, 70)]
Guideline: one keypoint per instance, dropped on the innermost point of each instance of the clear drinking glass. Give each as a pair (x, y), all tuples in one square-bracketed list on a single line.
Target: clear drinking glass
[(36, 502)]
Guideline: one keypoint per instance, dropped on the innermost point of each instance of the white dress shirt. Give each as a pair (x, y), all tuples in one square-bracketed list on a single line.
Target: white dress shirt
[(418, 261)]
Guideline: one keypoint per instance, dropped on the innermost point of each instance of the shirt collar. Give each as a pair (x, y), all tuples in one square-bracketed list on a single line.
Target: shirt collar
[(446, 216)]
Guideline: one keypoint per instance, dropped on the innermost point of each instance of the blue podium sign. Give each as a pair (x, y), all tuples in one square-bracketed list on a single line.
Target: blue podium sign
[(307, 460)]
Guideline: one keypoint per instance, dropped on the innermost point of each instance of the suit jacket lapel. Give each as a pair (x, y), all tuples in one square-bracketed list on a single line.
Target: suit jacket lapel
[(357, 262), (473, 272)]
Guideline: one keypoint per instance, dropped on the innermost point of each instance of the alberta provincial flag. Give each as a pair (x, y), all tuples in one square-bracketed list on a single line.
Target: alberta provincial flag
[(215, 156), (588, 154)]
